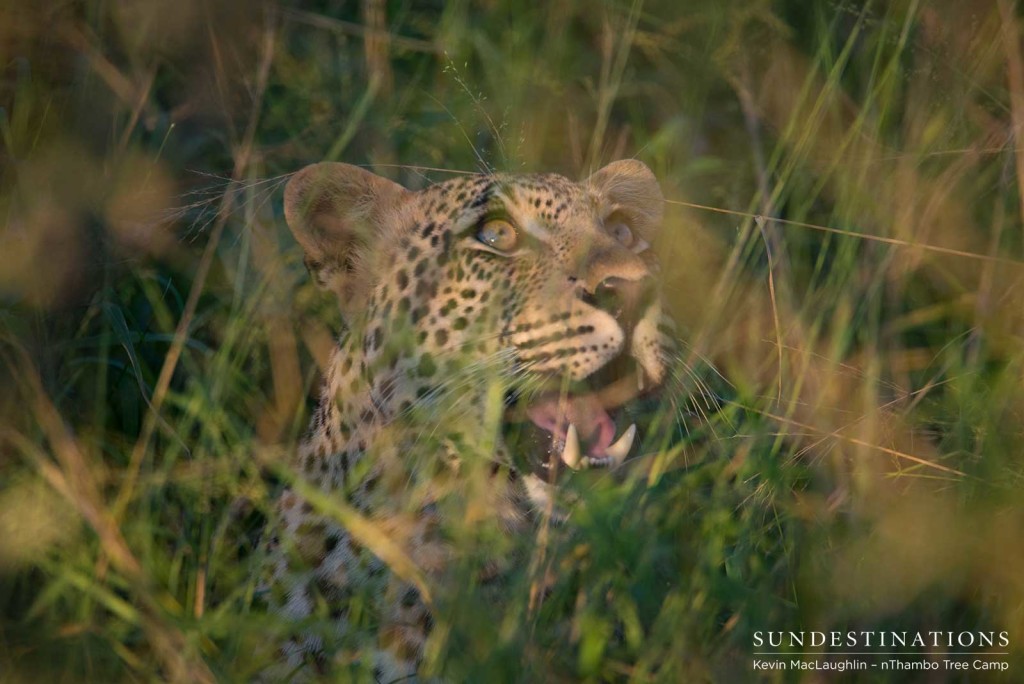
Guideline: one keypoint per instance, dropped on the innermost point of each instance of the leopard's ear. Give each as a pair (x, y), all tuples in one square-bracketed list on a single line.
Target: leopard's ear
[(631, 186), (335, 211)]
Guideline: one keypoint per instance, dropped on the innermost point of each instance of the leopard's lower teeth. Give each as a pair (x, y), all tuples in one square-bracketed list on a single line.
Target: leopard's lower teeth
[(571, 451), (614, 455), (617, 452)]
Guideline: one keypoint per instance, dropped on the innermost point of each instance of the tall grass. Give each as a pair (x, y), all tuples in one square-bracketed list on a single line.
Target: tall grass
[(843, 243)]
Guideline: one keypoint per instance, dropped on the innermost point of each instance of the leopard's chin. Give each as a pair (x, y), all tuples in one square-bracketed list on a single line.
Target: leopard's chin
[(581, 424)]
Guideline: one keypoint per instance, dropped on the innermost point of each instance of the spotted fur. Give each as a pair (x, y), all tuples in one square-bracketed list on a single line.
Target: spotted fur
[(436, 319)]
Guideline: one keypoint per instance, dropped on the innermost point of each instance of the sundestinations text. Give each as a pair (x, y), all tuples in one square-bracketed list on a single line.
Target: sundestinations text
[(870, 639)]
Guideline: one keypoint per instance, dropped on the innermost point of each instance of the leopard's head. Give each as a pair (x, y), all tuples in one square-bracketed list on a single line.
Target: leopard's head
[(548, 282)]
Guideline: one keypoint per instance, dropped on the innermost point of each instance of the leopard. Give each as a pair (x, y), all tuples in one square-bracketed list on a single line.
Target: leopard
[(494, 326)]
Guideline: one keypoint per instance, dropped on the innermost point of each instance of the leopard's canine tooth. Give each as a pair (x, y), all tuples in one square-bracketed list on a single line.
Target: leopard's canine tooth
[(620, 449), (571, 451)]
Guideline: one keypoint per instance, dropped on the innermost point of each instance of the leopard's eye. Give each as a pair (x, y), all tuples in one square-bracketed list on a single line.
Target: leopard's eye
[(621, 232), (498, 234)]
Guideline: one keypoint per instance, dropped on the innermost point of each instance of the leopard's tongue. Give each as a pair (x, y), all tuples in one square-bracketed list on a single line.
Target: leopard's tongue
[(593, 424)]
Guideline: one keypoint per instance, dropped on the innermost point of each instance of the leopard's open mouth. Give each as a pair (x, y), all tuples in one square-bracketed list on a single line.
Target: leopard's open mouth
[(578, 425)]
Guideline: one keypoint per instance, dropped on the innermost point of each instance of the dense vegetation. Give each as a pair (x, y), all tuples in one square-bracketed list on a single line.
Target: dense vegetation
[(843, 243)]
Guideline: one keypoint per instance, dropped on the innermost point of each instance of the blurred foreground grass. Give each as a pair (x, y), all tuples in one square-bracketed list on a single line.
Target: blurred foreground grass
[(844, 243)]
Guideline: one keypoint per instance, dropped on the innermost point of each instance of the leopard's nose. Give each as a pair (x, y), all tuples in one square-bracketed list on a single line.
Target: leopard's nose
[(624, 299)]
